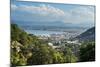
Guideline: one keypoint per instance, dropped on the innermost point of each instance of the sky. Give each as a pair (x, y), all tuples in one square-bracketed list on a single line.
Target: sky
[(52, 14)]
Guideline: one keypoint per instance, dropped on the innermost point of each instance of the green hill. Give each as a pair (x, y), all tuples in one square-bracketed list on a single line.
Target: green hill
[(88, 35)]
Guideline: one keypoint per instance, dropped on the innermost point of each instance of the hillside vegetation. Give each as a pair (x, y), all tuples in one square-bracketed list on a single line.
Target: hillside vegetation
[(88, 35), (27, 49)]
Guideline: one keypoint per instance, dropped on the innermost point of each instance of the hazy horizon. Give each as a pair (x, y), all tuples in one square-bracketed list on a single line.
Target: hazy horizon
[(50, 14)]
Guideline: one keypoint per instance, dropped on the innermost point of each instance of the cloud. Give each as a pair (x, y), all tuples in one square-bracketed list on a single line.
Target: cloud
[(43, 12), (42, 9), (48, 13), (80, 15)]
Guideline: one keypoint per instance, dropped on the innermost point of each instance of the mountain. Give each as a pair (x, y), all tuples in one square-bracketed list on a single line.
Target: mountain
[(88, 35), (47, 25)]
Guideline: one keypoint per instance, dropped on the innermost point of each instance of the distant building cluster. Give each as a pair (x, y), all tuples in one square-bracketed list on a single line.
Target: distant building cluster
[(57, 41)]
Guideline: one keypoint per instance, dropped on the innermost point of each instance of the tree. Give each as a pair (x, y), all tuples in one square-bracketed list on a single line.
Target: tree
[(17, 57), (87, 52), (24, 38), (15, 32), (58, 57), (69, 56), (41, 55)]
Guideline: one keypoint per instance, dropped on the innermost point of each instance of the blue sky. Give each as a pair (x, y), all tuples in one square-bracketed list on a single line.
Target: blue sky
[(49, 13)]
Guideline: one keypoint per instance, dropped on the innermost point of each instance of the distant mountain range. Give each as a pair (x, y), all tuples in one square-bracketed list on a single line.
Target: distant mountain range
[(88, 35), (54, 25)]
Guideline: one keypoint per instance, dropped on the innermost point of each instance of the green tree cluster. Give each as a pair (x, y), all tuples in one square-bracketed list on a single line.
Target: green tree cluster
[(87, 51), (27, 49)]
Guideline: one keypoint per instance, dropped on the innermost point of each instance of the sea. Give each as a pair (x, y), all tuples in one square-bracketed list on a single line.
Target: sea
[(43, 32)]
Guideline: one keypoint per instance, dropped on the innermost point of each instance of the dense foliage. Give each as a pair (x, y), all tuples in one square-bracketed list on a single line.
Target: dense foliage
[(27, 49), (87, 52)]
